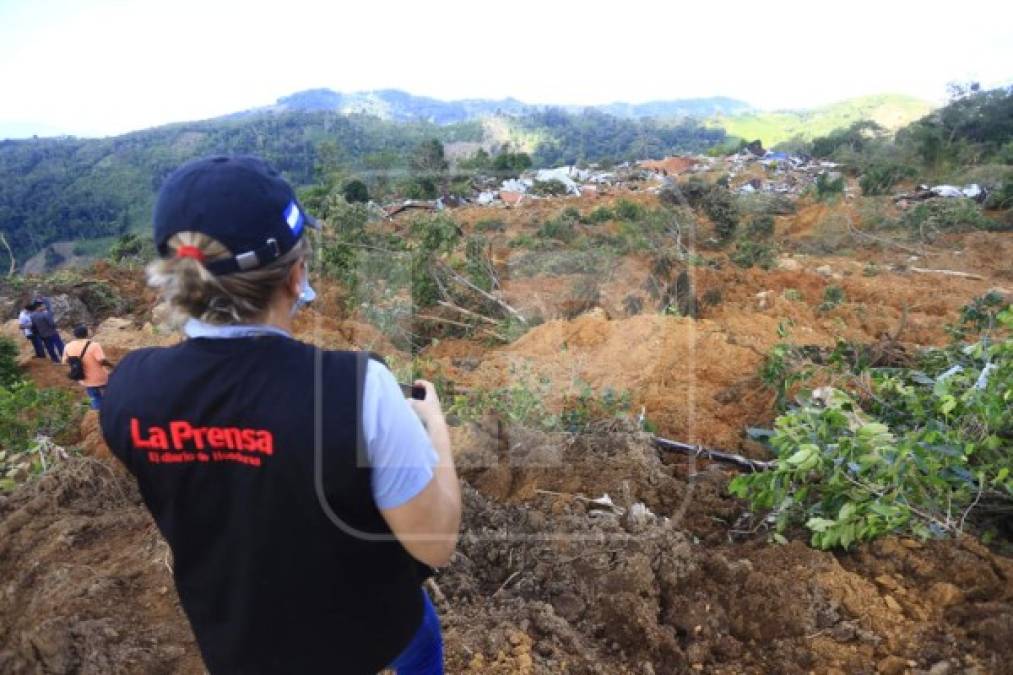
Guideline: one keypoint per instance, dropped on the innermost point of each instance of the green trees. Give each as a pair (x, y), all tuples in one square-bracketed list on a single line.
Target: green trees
[(428, 167), (510, 164), (853, 138), (974, 126), (355, 191)]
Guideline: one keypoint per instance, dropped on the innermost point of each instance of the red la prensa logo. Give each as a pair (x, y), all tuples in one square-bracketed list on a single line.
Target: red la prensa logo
[(184, 442)]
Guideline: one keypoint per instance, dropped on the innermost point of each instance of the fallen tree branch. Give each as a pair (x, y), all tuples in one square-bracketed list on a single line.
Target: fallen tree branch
[(461, 281), (949, 273), (466, 312), (713, 455), (440, 319)]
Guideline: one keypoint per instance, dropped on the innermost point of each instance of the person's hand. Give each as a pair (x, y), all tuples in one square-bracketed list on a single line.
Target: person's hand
[(428, 409)]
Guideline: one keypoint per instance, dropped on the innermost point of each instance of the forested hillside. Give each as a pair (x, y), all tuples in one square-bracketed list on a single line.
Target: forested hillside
[(68, 188)]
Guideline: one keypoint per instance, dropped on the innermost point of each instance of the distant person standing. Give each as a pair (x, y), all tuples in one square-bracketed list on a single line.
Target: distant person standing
[(25, 324), (44, 326), (94, 367)]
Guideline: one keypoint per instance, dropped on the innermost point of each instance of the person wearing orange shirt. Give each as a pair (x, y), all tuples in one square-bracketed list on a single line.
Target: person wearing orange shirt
[(93, 359)]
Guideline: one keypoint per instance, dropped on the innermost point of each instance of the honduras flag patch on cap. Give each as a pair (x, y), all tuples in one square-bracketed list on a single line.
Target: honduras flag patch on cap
[(294, 218)]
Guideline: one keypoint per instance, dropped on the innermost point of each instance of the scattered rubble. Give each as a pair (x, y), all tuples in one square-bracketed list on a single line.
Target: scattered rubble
[(924, 192)]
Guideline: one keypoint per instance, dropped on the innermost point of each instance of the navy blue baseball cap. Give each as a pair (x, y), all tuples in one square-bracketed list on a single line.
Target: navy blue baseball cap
[(240, 201)]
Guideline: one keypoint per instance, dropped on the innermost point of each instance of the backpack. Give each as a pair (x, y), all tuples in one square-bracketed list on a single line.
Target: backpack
[(76, 364)]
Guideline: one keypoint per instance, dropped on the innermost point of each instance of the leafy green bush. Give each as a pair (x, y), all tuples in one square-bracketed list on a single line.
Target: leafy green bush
[(749, 253), (832, 297), (879, 178), (126, 246), (854, 138), (935, 216), (355, 192), (926, 451), (827, 187), (432, 237), (761, 226), (571, 213), (511, 164), (522, 403), (27, 414), (629, 211), (9, 371), (601, 214), (1001, 197), (719, 205), (549, 188), (559, 228), (421, 187), (490, 224)]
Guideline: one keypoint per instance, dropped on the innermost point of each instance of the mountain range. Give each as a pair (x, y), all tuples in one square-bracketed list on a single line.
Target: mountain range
[(400, 106)]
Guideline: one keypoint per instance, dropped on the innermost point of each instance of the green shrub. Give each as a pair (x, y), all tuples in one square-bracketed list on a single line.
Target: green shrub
[(355, 192), (879, 178), (827, 187), (549, 188), (127, 246), (511, 164), (629, 211), (421, 188), (761, 226), (558, 228), (27, 413), (719, 205), (571, 213), (832, 297), (433, 237), (523, 241), (490, 225), (1001, 197), (9, 371), (601, 214), (749, 253), (924, 451), (935, 216), (522, 403)]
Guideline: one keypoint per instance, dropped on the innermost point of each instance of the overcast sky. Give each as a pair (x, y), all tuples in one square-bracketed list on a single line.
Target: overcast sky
[(103, 67)]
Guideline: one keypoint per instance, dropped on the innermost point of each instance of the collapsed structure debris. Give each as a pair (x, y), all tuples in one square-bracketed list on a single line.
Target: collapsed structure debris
[(923, 192)]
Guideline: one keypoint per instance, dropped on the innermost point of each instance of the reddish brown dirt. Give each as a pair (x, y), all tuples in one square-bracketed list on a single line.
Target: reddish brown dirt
[(86, 584), (544, 580), (673, 166)]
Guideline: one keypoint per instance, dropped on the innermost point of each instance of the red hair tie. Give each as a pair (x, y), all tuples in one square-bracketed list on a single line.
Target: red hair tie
[(190, 252)]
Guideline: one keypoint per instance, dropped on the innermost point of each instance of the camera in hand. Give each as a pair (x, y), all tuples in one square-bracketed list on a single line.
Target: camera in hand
[(413, 391)]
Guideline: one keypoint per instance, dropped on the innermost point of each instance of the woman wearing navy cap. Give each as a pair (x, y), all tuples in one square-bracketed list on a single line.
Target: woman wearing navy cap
[(303, 498)]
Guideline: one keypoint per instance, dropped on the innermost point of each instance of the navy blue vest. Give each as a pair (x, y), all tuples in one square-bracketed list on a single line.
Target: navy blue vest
[(282, 561)]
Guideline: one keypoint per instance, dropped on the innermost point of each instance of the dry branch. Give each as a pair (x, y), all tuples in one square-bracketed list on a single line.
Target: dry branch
[(949, 273), (466, 312), (461, 281)]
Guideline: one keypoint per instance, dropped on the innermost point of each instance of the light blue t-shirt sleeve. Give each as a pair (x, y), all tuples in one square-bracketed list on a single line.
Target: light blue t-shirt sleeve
[(397, 445)]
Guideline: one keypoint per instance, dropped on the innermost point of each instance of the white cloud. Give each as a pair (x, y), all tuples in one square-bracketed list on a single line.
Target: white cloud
[(109, 66)]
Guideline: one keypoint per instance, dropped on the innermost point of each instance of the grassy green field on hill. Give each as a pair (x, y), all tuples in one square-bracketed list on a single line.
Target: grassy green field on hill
[(892, 111)]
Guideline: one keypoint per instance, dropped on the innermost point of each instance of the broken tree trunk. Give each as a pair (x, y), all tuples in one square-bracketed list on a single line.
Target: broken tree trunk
[(713, 455)]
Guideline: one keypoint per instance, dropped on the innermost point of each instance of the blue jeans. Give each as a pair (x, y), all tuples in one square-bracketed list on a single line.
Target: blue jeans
[(40, 351), (54, 345), (95, 394), (424, 654)]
